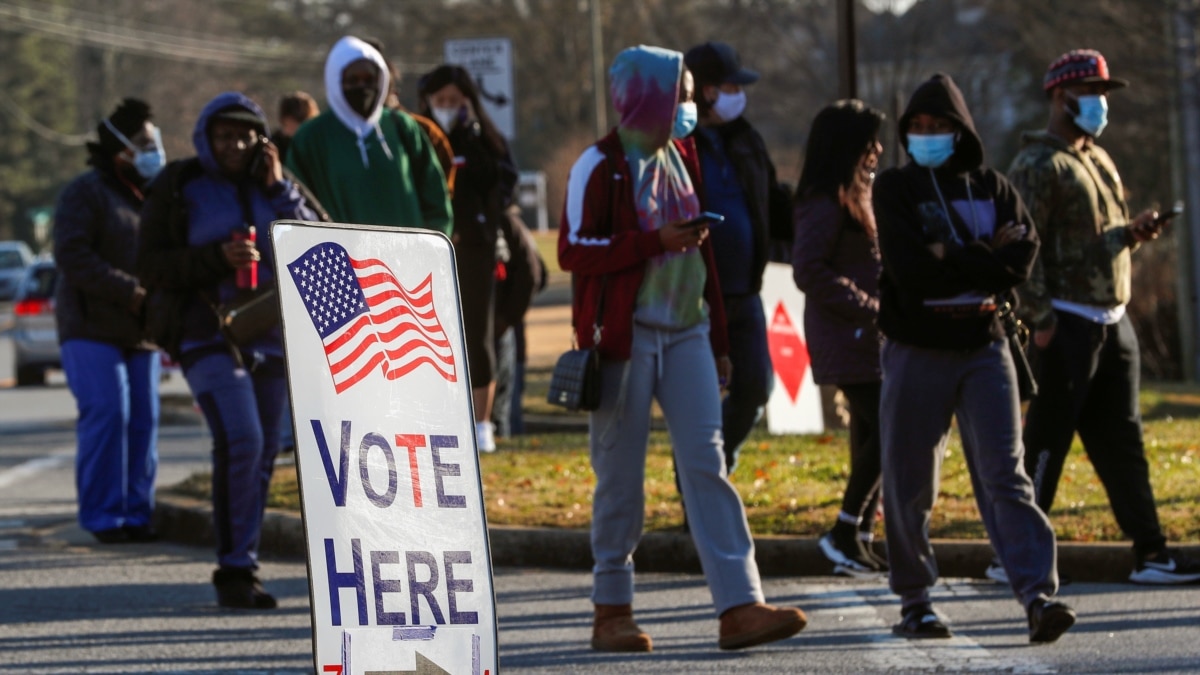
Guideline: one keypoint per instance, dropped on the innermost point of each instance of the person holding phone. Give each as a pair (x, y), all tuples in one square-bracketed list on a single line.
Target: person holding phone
[(193, 245), (1083, 342), (646, 297)]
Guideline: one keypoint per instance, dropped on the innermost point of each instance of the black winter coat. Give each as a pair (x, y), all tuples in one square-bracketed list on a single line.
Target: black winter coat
[(95, 240), (836, 263)]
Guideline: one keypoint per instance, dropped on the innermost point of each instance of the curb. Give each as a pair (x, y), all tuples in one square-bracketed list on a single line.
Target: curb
[(189, 521)]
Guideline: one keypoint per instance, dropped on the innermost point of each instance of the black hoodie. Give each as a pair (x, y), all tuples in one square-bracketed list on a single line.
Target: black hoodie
[(947, 303)]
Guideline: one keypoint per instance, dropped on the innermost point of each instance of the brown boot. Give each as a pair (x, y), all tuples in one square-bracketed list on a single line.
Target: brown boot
[(757, 623), (613, 630)]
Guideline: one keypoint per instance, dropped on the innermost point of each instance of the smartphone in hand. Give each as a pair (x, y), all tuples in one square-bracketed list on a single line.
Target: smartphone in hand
[(706, 218), (1166, 216)]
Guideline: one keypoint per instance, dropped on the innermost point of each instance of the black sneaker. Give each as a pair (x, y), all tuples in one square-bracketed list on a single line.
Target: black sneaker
[(240, 589), (140, 533), (1049, 619), (1169, 566), (112, 536), (920, 622), (848, 557)]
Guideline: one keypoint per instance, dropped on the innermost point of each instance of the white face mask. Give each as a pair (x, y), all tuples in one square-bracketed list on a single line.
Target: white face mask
[(729, 107), (445, 117)]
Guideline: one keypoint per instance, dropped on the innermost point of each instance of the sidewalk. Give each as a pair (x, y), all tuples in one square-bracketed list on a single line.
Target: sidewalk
[(549, 334), (189, 521)]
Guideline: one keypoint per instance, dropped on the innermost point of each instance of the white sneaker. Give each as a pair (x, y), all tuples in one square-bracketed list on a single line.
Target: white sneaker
[(996, 572), (485, 436)]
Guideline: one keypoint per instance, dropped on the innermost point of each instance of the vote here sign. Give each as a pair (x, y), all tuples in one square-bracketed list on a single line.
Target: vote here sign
[(398, 562)]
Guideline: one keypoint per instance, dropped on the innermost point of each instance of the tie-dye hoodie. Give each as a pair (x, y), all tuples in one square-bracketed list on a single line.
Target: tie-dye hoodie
[(619, 193), (645, 93)]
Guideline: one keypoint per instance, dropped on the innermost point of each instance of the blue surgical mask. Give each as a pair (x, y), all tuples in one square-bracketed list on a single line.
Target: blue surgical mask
[(931, 150), (146, 162), (685, 120), (1093, 115)]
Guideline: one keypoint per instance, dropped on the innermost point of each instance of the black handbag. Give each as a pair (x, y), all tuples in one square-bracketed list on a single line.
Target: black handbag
[(248, 316), (1018, 337), (575, 382)]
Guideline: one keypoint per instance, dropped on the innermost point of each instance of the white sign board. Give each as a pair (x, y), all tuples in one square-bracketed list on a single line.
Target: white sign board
[(490, 62), (795, 403), (399, 568)]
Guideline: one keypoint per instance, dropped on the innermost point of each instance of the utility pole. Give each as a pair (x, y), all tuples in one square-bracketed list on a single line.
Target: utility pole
[(599, 101), (1186, 240), (847, 50)]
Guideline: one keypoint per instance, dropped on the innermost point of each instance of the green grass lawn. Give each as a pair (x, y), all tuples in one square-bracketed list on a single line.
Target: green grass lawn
[(792, 485)]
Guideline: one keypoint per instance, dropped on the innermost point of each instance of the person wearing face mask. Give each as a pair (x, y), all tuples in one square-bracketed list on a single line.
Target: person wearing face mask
[(739, 183), (485, 178), (193, 244), (955, 239), (1083, 342), (366, 163), (647, 299), (111, 370)]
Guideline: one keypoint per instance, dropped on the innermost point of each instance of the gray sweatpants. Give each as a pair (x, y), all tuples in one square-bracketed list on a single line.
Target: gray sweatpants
[(677, 369), (922, 390)]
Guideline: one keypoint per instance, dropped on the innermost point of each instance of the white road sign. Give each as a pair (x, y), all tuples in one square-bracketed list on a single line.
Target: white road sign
[(490, 62), (399, 568)]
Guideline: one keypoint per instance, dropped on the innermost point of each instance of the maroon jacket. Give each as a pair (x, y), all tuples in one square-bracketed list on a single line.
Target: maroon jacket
[(613, 261), (836, 264)]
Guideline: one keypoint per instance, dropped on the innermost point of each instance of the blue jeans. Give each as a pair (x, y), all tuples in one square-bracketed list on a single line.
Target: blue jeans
[(116, 392), (752, 380), (243, 410)]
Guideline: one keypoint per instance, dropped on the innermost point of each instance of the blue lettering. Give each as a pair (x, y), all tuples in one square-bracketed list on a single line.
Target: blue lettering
[(337, 480), (419, 589), (382, 586), (454, 586), (441, 470), (382, 500), (339, 580)]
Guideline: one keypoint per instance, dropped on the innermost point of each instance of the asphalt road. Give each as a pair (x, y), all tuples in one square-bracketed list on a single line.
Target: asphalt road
[(70, 605)]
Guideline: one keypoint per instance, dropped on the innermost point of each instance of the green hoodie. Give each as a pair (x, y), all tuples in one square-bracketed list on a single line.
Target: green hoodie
[(381, 170)]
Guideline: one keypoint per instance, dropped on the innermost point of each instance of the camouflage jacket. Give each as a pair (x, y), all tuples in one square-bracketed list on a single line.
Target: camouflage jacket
[(1077, 203)]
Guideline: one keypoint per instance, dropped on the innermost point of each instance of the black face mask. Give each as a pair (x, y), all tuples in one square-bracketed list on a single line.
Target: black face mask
[(361, 99)]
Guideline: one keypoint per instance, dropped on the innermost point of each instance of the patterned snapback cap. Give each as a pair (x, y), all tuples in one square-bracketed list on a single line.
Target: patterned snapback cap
[(1080, 65)]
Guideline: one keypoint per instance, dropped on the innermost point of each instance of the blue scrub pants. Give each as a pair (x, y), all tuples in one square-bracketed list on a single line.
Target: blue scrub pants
[(116, 393)]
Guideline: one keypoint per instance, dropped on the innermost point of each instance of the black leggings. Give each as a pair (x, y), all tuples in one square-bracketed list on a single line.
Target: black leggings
[(862, 490)]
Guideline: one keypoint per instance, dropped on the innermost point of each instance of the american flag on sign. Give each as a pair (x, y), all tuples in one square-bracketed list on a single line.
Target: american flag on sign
[(367, 321)]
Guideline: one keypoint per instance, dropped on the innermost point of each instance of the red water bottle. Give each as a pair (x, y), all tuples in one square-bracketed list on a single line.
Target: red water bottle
[(247, 277)]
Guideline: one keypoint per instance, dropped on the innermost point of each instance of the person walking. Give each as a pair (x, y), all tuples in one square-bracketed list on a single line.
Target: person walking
[(485, 178), (955, 239), (835, 262), (1083, 342), (738, 183), (647, 297), (112, 371), (194, 246), (367, 164)]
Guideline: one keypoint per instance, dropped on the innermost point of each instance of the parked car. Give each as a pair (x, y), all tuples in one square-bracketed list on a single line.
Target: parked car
[(34, 334), (15, 257)]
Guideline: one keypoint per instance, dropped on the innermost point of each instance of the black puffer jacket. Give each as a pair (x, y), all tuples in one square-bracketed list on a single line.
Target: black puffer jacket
[(95, 242)]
